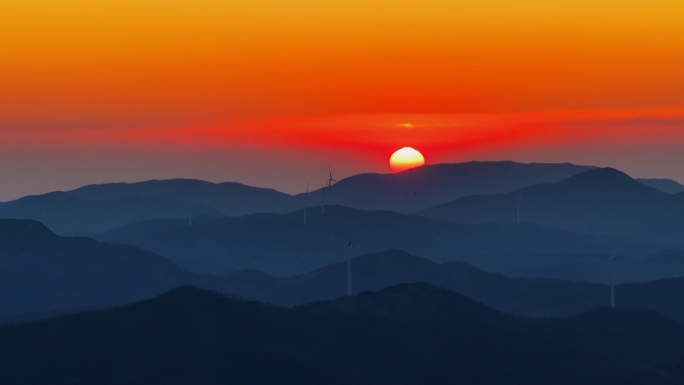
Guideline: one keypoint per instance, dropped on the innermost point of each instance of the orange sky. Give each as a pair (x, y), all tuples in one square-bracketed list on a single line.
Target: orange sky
[(342, 82)]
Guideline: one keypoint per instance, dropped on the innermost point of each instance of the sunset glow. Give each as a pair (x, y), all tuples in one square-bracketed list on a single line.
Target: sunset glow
[(84, 82)]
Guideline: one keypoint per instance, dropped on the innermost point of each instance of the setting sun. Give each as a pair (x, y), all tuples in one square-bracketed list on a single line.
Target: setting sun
[(405, 159)]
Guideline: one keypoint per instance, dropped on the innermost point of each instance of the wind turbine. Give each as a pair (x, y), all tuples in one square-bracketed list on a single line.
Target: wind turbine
[(612, 283), (330, 178), (352, 249), (327, 186)]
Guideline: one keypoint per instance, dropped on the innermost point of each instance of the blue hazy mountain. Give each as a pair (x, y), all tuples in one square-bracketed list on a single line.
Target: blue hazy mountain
[(665, 185), (599, 201), (43, 272), (426, 186), (280, 244), (405, 334), (65, 213), (97, 208), (530, 297), (45, 275), (230, 198)]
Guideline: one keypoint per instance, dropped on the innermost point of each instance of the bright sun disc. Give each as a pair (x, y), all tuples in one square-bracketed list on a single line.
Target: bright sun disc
[(406, 158)]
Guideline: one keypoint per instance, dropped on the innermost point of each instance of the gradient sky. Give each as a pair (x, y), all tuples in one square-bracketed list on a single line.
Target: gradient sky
[(270, 92)]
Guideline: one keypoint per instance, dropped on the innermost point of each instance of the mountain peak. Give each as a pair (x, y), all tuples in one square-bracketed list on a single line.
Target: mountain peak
[(23, 229), (410, 301), (606, 178), (601, 174)]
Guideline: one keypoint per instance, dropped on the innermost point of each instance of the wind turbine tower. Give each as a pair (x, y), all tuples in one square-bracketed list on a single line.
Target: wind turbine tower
[(352, 250), (612, 283)]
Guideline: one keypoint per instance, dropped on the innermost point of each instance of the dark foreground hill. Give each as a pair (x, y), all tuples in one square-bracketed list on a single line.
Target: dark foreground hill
[(402, 335), (280, 244), (599, 201)]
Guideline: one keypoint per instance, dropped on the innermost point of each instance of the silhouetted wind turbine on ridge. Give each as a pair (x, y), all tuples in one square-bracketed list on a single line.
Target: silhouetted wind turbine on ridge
[(327, 186)]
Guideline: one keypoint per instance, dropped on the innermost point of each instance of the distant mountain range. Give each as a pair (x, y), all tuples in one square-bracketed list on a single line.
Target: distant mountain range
[(44, 275), (406, 334), (98, 208), (42, 272), (423, 187), (228, 198), (665, 185), (280, 244), (532, 297), (67, 214), (599, 201)]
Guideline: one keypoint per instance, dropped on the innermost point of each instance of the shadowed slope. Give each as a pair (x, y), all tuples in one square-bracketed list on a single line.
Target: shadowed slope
[(193, 336)]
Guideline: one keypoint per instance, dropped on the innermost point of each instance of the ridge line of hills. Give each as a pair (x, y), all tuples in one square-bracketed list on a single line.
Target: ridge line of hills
[(43, 272), (400, 335)]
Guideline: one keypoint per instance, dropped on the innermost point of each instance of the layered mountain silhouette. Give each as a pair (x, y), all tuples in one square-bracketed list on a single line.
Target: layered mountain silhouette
[(43, 272), (530, 297), (97, 208), (423, 187), (665, 185), (280, 244), (599, 201), (229, 198), (44, 275), (405, 334), (65, 213)]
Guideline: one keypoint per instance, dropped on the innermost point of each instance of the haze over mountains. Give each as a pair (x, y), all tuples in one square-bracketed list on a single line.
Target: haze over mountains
[(581, 230), (98, 208), (44, 275), (665, 185), (599, 201), (281, 244), (423, 187)]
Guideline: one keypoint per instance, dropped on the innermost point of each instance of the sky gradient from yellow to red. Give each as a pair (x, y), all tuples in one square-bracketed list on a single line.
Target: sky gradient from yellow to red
[(126, 90)]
